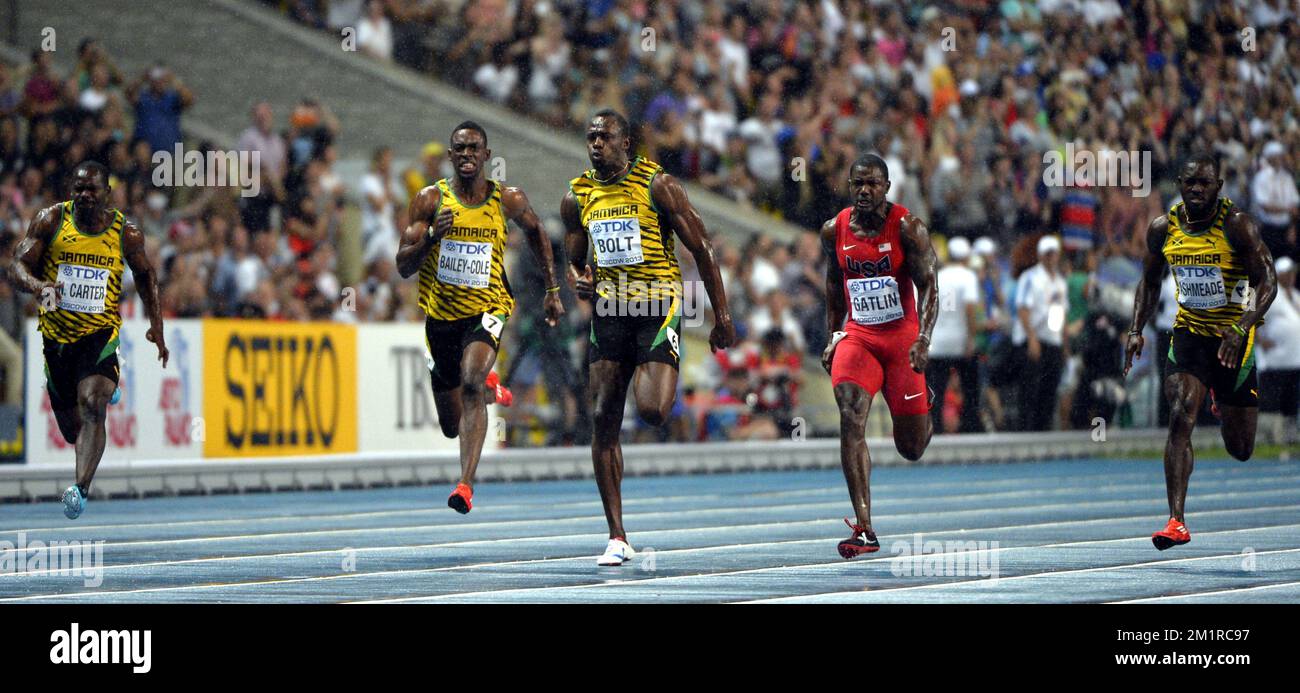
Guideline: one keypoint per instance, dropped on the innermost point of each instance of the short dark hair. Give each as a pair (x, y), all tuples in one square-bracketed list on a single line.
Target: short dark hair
[(471, 125), (94, 168), (1202, 156), (871, 161), (615, 116)]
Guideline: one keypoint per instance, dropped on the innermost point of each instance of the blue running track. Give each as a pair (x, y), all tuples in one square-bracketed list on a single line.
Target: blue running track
[(1067, 531)]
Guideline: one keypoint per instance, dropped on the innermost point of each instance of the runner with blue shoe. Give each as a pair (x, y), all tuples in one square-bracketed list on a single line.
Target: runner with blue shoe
[(72, 259)]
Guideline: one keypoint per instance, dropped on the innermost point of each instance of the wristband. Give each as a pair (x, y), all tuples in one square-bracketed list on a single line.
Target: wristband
[(1237, 328), (553, 289)]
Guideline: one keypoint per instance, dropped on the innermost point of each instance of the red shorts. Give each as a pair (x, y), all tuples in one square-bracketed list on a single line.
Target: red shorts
[(873, 358)]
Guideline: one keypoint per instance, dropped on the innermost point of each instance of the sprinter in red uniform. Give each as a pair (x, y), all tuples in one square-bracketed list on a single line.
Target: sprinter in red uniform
[(876, 251)]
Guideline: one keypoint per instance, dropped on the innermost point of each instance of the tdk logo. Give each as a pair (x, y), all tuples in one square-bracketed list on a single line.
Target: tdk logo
[(867, 268), (84, 272), (614, 226), (461, 248), (875, 284)]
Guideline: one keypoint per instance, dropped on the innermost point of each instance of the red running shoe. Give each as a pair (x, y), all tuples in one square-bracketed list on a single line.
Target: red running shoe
[(1174, 534), (504, 396), (462, 499), (862, 541)]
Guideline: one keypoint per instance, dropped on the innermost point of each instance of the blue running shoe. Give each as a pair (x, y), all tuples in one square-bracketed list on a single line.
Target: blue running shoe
[(73, 502), (117, 396)]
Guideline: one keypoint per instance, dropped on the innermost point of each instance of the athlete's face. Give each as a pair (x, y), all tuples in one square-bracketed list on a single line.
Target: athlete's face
[(606, 143), (1200, 186), (867, 187), (89, 190), (468, 152)]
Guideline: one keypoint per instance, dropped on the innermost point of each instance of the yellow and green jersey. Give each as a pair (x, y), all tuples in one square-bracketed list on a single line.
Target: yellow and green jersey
[(88, 269), (634, 252), (464, 275), (1212, 285)]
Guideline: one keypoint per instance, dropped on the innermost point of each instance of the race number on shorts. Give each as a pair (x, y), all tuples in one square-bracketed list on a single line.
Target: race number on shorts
[(617, 242), (493, 325), (465, 263), (1200, 287), (84, 288), (875, 300)]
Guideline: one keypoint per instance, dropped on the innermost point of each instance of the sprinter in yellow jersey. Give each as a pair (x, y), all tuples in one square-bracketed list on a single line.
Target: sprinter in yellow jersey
[(1225, 284), (456, 242), (72, 259), (631, 211)]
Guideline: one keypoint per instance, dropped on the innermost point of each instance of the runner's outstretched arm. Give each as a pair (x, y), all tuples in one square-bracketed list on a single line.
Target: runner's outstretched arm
[(423, 231), (1243, 233), (575, 246), (146, 282), (923, 266), (27, 257), (521, 212), (679, 214), (1148, 289)]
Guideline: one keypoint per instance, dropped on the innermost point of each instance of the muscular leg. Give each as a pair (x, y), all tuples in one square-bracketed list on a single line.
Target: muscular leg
[(448, 405), (609, 381), (93, 393), (1238, 430), (474, 367), (69, 424), (854, 404), (912, 434), (654, 387), (1185, 393)]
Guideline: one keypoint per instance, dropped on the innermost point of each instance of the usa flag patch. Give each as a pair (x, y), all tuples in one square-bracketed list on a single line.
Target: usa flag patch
[(884, 247)]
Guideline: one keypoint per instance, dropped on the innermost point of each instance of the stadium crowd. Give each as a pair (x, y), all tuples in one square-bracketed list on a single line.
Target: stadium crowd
[(765, 103)]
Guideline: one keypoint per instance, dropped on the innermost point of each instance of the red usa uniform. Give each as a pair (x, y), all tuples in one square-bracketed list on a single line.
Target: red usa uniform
[(881, 325)]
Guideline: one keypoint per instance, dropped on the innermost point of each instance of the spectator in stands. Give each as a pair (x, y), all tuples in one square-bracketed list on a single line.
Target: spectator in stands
[(378, 231), (158, 108), (1041, 305), (1279, 359), (763, 159), (433, 166), (260, 137), (41, 93), (952, 347), (375, 32), (1273, 191)]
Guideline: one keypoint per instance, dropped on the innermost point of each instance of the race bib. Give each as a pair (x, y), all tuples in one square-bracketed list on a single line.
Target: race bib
[(875, 300), (465, 263), (617, 242), (84, 288), (1200, 287)]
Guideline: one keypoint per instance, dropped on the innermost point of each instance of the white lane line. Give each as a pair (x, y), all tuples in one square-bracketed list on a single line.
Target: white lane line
[(727, 547), (677, 578), (1190, 595), (596, 535), (533, 523), (702, 512), (1227, 473), (1029, 576)]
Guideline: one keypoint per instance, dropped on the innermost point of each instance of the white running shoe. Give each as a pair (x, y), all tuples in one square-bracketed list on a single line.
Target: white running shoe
[(617, 552)]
